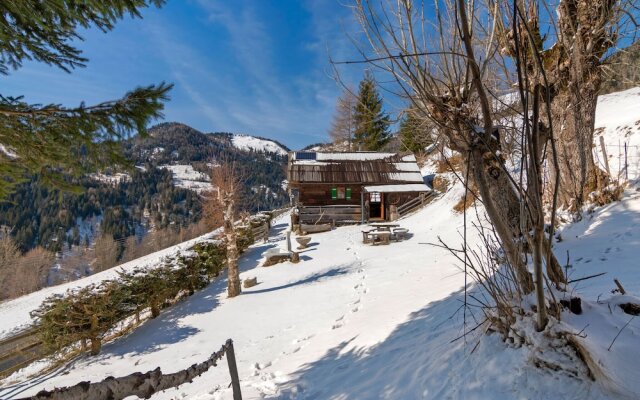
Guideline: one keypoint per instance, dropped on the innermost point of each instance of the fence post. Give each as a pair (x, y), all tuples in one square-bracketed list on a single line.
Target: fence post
[(604, 154), (233, 371), (626, 165)]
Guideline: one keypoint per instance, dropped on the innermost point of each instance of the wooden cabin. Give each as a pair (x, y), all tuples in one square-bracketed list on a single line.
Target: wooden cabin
[(354, 187)]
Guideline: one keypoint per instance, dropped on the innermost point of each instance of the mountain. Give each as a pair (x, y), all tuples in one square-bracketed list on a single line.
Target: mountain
[(172, 164)]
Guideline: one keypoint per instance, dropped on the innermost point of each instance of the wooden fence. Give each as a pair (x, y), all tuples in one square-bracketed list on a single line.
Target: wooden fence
[(144, 385), (414, 204), (338, 214)]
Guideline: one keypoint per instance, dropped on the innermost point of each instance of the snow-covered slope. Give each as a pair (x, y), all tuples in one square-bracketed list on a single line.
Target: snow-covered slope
[(357, 321), (246, 142), (618, 121), (184, 176), (15, 313)]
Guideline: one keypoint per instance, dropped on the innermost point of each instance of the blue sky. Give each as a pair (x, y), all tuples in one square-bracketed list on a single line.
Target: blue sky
[(246, 66)]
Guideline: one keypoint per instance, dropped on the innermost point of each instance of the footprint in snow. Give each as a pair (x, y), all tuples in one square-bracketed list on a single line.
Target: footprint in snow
[(338, 325)]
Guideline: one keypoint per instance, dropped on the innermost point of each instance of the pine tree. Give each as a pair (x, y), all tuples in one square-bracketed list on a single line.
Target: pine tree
[(414, 135), (53, 140), (372, 124)]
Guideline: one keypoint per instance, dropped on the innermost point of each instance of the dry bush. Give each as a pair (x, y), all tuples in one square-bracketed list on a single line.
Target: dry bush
[(441, 183), (30, 272), (9, 254), (464, 203), (452, 163), (106, 252)]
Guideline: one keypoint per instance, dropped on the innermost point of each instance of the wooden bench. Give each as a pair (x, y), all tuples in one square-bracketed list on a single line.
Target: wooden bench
[(399, 234), (365, 236), (275, 256), (380, 237)]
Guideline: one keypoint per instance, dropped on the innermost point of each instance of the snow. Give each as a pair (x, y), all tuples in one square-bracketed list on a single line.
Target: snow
[(352, 321), (356, 156), (618, 120), (414, 187), (112, 179), (8, 152), (184, 176), (246, 142)]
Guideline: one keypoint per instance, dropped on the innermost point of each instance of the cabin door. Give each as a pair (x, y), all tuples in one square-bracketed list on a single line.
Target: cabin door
[(376, 205)]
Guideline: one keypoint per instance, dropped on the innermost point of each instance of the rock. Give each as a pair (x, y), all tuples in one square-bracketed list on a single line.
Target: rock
[(250, 282)]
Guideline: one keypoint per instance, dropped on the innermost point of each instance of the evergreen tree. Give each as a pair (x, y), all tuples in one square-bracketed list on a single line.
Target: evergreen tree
[(51, 139), (372, 124), (414, 135)]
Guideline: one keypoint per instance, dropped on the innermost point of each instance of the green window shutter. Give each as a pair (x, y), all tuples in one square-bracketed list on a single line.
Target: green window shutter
[(334, 193), (348, 193)]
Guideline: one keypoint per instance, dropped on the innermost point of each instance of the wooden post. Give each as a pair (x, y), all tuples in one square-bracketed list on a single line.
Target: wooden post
[(626, 165), (362, 206), (604, 154), (233, 371), (289, 241)]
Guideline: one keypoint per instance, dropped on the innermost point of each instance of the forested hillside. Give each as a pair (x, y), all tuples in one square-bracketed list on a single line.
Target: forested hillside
[(124, 204)]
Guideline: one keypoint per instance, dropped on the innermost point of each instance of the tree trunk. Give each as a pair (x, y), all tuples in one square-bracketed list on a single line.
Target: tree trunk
[(233, 279), (573, 113), (503, 209)]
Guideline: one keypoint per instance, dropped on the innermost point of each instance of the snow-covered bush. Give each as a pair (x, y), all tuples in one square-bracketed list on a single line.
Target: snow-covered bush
[(90, 313)]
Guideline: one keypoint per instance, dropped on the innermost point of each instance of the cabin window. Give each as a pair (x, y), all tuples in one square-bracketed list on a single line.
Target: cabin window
[(375, 197), (341, 193)]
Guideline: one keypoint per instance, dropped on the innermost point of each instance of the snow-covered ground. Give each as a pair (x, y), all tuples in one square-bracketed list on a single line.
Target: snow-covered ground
[(184, 176), (246, 142), (618, 121), (355, 321)]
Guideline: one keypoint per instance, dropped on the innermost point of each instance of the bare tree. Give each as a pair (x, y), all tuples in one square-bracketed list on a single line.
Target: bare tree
[(9, 255), (343, 125), (581, 37), (226, 181), (106, 253)]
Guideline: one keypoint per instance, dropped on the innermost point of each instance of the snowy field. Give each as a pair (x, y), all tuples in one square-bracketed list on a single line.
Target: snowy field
[(184, 176), (355, 321), (246, 142)]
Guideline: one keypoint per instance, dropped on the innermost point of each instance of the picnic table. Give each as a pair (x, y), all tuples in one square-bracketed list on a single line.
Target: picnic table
[(384, 226), (383, 233)]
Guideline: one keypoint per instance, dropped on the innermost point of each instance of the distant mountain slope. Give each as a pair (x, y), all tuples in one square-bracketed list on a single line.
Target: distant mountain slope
[(623, 70), (173, 164)]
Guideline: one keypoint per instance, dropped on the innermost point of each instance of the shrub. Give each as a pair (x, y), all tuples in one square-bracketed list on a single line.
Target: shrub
[(89, 314)]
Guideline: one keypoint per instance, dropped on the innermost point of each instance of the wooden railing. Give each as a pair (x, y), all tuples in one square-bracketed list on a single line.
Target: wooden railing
[(336, 214), (143, 385), (414, 204)]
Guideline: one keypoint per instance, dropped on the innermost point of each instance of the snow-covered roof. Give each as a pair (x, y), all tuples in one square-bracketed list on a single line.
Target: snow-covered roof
[(353, 168), (412, 187)]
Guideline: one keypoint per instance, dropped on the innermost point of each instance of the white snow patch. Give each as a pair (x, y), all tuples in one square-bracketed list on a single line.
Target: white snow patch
[(246, 142), (186, 177)]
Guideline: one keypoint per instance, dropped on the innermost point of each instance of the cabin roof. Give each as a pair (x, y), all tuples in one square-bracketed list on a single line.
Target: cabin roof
[(352, 168)]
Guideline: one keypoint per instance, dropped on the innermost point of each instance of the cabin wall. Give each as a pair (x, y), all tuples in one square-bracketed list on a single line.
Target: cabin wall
[(320, 195)]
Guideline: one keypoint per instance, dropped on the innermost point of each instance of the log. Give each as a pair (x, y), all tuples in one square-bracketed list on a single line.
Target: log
[(138, 384)]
